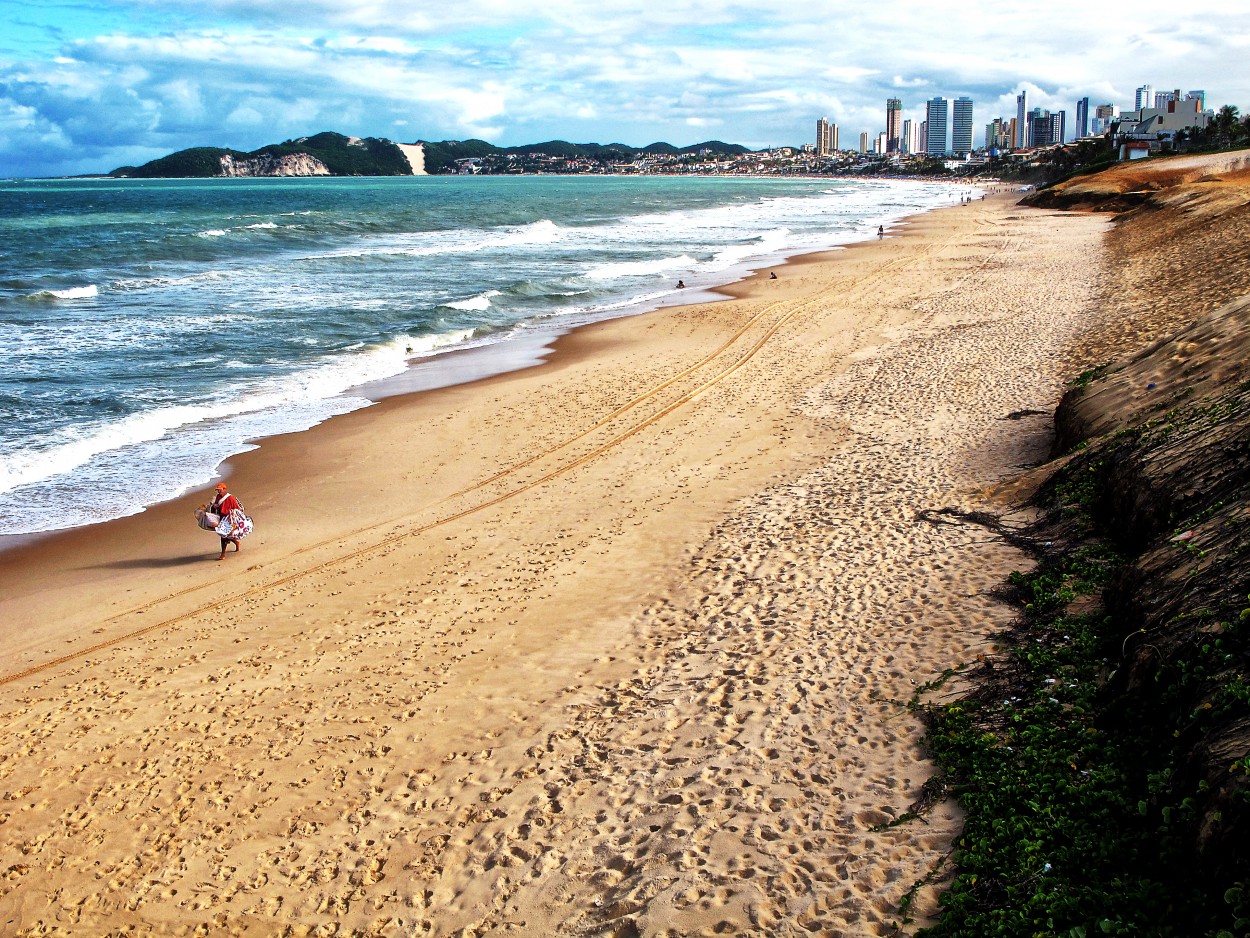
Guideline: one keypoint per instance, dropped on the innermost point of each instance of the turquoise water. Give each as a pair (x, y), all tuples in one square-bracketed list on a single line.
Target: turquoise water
[(151, 328)]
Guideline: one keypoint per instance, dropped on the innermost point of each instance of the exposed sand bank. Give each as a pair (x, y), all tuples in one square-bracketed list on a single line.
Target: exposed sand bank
[(614, 645), (415, 154)]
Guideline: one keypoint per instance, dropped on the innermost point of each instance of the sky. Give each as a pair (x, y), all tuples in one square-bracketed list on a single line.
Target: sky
[(90, 85)]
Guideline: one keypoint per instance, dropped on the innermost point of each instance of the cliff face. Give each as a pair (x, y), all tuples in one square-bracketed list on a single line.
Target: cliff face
[(1133, 183), (292, 164), (1162, 440)]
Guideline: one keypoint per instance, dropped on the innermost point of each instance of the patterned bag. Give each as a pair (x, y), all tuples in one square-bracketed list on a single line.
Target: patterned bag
[(236, 525)]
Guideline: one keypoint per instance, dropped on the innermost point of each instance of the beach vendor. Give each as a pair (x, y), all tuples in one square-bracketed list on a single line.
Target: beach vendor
[(226, 517)]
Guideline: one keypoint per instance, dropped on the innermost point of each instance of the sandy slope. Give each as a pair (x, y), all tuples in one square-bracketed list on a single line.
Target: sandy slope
[(415, 154), (612, 646)]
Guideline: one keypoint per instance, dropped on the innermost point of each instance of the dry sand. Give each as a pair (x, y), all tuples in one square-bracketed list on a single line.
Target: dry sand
[(617, 645)]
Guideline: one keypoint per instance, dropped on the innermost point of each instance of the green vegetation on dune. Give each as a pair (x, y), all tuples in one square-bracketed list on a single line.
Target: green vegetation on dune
[(1102, 753), (371, 156), (341, 155), (194, 163)]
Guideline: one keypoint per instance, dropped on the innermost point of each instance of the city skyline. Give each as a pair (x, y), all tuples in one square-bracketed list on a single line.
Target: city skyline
[(87, 85), (957, 131)]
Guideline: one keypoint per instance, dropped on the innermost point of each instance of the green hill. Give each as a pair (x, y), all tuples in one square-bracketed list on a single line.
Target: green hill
[(373, 156), (342, 156)]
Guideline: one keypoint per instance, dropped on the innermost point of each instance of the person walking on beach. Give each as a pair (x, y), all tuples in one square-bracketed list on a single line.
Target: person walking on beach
[(881, 231), (234, 525)]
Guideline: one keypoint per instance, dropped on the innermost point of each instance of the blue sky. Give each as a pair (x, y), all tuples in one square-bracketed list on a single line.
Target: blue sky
[(86, 85)]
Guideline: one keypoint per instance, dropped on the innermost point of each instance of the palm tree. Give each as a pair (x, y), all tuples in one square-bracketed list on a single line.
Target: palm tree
[(1226, 124)]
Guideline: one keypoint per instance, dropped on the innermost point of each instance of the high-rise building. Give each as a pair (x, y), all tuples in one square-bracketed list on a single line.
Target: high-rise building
[(1163, 98), (882, 144), (909, 141), (1022, 120), (1144, 97), (961, 126), (1104, 114), (1199, 96), (863, 141), (826, 137), (1082, 118), (999, 133), (937, 116), (1047, 129), (893, 124)]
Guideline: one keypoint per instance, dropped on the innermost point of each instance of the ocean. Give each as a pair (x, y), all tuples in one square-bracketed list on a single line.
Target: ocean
[(151, 329)]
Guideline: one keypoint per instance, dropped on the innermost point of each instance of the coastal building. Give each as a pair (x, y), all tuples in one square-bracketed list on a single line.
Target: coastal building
[(1059, 127), (937, 116), (1150, 130), (909, 142), (893, 125), (1144, 97), (1022, 141), (1104, 116), (961, 126), (883, 143), (1199, 96), (1047, 129), (863, 142), (826, 137), (1082, 118), (1162, 98), (922, 137), (999, 134)]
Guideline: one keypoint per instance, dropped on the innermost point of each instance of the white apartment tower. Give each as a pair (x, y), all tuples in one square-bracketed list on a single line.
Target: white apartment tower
[(909, 140), (1022, 120), (1144, 98)]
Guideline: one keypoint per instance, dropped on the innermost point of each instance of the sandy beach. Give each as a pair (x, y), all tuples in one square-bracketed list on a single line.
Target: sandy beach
[(615, 645)]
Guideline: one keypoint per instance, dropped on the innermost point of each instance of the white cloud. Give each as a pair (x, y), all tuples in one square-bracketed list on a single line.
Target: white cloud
[(570, 68)]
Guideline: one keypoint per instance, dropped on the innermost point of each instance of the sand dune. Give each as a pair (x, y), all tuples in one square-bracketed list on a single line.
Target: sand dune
[(618, 645)]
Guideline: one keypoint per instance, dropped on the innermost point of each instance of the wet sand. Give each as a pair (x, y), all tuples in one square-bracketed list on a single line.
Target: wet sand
[(615, 645)]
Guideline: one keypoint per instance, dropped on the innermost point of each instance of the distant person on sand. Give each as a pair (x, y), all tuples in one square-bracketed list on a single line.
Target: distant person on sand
[(881, 231), (227, 519), (772, 275)]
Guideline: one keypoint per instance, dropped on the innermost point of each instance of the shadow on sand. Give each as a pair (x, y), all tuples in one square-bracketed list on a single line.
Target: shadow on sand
[(154, 563)]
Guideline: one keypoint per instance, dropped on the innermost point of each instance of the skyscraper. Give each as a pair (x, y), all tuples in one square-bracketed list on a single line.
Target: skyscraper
[(893, 124), (961, 126), (1082, 118), (1144, 98), (1199, 96), (863, 141), (937, 116), (1059, 127), (1022, 119), (909, 140), (825, 143)]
